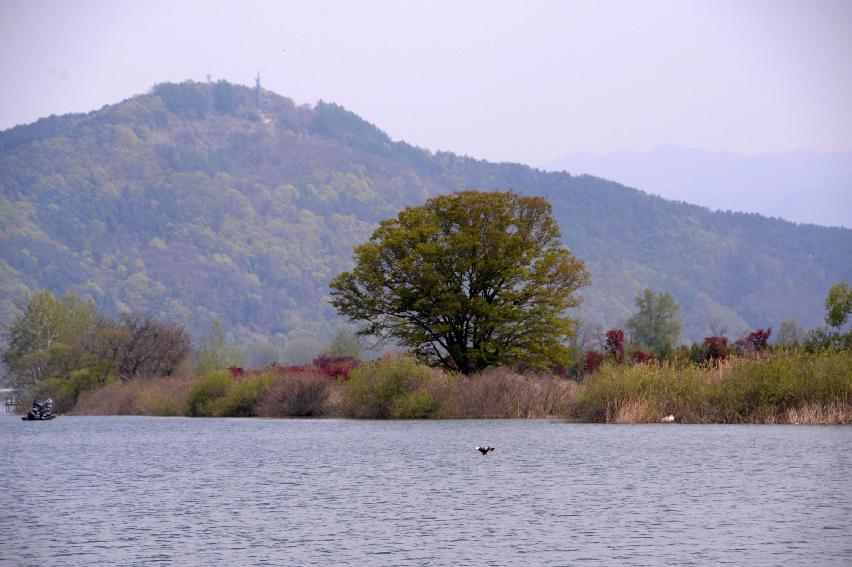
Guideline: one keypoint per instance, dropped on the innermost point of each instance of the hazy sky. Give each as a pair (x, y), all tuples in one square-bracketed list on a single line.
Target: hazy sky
[(518, 81)]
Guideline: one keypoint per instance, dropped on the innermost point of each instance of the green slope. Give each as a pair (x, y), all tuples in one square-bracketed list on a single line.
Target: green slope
[(186, 203)]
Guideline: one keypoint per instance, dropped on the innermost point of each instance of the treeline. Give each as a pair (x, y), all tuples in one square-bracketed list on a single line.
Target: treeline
[(134, 364), (60, 347), (182, 203), (653, 334)]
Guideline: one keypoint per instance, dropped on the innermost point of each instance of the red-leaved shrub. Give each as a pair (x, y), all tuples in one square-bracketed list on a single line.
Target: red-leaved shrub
[(594, 359), (716, 348), (336, 366), (641, 357), (615, 345)]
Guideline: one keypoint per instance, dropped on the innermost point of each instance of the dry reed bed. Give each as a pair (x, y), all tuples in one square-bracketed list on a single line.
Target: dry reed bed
[(149, 396), (501, 393), (782, 388)]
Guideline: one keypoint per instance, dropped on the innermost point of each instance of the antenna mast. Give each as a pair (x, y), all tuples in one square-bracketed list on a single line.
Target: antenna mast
[(257, 88)]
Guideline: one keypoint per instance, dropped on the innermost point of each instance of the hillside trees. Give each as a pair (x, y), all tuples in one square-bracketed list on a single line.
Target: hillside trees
[(145, 205), (467, 281)]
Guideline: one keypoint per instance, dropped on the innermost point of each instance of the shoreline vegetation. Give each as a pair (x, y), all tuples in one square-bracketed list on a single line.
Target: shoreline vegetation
[(770, 387), (475, 288)]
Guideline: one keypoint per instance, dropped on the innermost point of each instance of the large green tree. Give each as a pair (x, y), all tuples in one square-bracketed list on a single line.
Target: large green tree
[(838, 304), (657, 325), (468, 280), (41, 337)]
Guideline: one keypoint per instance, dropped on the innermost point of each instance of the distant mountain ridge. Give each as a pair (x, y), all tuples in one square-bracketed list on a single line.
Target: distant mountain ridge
[(800, 186), (190, 204)]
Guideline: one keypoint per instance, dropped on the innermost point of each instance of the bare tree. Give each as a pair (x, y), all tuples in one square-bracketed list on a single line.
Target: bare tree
[(151, 347)]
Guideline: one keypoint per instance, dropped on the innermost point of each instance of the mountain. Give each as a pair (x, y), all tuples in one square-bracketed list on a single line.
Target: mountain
[(189, 203), (802, 186)]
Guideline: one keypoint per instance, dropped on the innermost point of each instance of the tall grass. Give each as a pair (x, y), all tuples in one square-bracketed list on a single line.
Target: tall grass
[(389, 388), (773, 388), (781, 387)]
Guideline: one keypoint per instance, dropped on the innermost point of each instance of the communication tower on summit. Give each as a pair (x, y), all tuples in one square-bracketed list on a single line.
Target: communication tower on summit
[(259, 96)]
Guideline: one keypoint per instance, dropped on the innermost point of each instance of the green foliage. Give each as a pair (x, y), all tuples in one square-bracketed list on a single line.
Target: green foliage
[(187, 99), (789, 334), (376, 388), (40, 338), (154, 204), (66, 390), (206, 393), (61, 348), (218, 394), (214, 352), (468, 280), (665, 389), (822, 338), (759, 389), (242, 398), (336, 122), (226, 97), (418, 404), (747, 390), (657, 326), (344, 343), (838, 304)]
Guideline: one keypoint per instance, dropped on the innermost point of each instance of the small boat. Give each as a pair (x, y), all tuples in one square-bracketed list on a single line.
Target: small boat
[(42, 411)]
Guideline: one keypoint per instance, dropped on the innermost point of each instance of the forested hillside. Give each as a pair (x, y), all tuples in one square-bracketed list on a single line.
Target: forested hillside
[(190, 204)]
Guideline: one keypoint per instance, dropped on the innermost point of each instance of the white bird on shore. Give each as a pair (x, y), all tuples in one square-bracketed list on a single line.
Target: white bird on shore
[(668, 419), (485, 450)]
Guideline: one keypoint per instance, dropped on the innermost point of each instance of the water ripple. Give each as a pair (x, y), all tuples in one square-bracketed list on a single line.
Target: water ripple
[(141, 491)]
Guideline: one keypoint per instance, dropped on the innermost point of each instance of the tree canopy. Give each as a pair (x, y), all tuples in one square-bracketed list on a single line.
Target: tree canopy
[(41, 336), (656, 326), (63, 346), (467, 281), (838, 304)]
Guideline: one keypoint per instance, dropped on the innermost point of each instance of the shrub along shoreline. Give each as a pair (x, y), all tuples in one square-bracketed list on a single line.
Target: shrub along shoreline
[(768, 387)]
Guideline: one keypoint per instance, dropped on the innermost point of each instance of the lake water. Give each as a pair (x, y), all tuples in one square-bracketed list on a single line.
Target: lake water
[(137, 491)]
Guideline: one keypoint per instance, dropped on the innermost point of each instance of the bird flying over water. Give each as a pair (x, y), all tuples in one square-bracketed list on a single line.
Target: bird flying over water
[(485, 450)]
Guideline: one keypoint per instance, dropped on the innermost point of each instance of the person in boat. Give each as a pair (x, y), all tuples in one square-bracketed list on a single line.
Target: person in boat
[(42, 409)]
